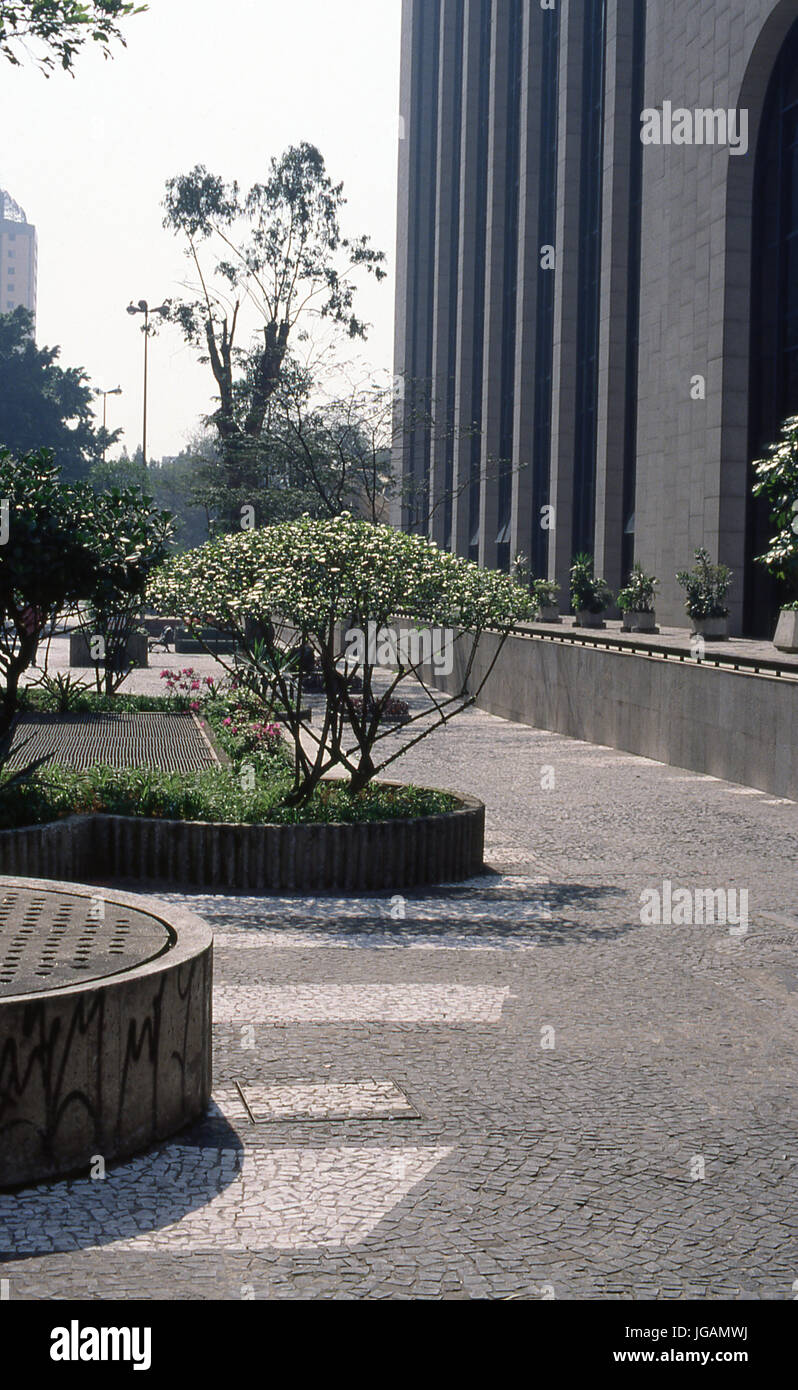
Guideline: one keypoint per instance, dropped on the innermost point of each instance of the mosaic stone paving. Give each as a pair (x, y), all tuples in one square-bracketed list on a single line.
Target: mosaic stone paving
[(602, 1109), (313, 1100)]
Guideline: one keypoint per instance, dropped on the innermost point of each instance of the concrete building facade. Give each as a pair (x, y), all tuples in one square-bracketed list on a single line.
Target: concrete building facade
[(18, 258), (597, 288)]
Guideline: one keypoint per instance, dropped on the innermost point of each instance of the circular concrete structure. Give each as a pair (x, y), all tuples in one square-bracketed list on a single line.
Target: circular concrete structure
[(105, 1025), (197, 856)]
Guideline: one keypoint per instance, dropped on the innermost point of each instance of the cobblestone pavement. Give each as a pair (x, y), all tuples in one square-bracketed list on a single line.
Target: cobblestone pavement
[(505, 1088)]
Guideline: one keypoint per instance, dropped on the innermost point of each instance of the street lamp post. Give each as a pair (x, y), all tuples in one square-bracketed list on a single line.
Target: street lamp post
[(114, 391), (143, 308)]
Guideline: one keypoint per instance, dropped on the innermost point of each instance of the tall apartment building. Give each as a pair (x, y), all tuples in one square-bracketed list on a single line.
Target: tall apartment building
[(18, 258), (597, 308)]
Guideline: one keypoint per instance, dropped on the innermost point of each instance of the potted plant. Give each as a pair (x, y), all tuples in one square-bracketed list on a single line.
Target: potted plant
[(590, 596), (706, 587), (636, 601), (777, 479), (546, 594)]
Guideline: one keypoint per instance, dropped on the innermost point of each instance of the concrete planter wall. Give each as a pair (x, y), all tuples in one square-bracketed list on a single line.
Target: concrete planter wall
[(375, 855), (786, 639), (135, 652), (740, 727), (586, 619), (714, 629), (639, 622), (110, 1066), (219, 642)]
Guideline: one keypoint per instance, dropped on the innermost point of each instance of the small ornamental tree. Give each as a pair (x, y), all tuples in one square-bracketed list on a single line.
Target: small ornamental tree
[(47, 560), (777, 480), (330, 589), (130, 539)]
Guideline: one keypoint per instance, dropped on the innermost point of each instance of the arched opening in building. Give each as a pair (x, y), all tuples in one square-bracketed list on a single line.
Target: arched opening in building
[(774, 311)]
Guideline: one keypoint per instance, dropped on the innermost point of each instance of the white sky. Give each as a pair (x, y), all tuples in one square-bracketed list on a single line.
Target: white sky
[(225, 83)]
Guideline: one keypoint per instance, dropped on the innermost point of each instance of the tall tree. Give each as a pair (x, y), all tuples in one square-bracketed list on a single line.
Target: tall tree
[(52, 32), (336, 443), (43, 405), (277, 252)]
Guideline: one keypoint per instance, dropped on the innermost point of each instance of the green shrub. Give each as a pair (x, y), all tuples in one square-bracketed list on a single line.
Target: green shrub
[(589, 594), (546, 593), (218, 796), (640, 593), (706, 587)]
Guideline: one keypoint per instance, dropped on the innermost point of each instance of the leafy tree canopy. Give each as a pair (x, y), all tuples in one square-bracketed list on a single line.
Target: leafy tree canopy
[(273, 255), (62, 544), (43, 405), (52, 32), (48, 559), (309, 579)]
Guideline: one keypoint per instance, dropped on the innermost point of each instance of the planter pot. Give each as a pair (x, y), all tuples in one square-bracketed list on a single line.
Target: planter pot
[(549, 613), (639, 622), (786, 639), (585, 619), (135, 653), (714, 628), (219, 642)]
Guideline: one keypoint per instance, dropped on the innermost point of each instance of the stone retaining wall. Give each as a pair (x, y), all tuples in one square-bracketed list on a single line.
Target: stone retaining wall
[(733, 725), (374, 855)]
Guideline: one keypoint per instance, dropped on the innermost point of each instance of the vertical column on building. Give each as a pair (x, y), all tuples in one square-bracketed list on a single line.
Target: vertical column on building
[(471, 276), (400, 511), (564, 373), (447, 255), (418, 164), (493, 383), (618, 291), (529, 272)]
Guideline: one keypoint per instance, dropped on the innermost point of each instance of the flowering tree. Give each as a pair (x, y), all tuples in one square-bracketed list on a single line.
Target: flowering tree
[(777, 480), (329, 589)]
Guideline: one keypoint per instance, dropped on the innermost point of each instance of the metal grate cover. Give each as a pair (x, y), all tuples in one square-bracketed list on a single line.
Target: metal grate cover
[(171, 742), (49, 939), (323, 1101)]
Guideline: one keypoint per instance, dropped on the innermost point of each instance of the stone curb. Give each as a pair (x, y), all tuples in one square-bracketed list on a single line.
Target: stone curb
[(324, 857)]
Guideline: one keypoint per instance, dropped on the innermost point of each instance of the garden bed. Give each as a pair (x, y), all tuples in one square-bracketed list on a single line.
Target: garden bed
[(229, 828)]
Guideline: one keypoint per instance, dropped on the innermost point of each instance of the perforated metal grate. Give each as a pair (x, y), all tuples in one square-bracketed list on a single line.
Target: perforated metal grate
[(49, 940), (172, 742)]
